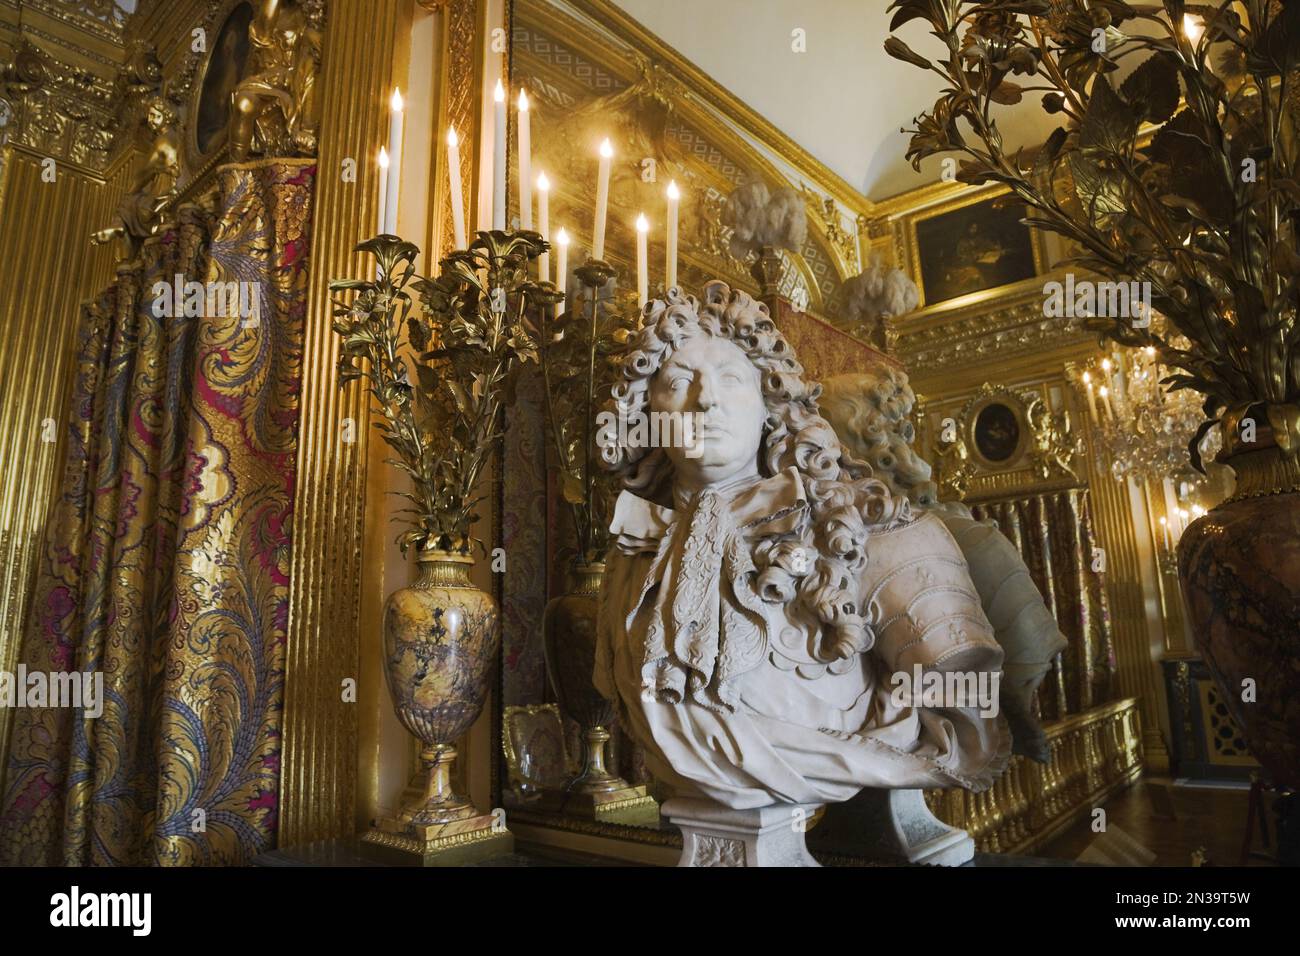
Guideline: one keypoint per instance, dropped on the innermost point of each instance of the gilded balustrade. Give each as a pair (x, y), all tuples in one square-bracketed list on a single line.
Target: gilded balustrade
[(1093, 754)]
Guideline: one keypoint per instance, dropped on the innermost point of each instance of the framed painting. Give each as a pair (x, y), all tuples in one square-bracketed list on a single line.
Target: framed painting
[(996, 428), (533, 741), (970, 246), (220, 72)]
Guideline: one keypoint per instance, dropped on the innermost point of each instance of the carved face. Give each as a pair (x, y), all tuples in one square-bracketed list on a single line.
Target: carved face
[(715, 381), (156, 118)]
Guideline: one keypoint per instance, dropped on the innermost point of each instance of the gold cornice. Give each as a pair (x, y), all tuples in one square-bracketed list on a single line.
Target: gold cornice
[(914, 200), (80, 40), (60, 107), (1005, 329), (68, 13), (104, 175)]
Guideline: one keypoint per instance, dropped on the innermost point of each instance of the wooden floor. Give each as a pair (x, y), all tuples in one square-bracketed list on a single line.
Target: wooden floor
[(1174, 822)]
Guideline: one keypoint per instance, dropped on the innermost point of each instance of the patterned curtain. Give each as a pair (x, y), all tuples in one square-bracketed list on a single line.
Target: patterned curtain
[(1055, 537), (166, 556)]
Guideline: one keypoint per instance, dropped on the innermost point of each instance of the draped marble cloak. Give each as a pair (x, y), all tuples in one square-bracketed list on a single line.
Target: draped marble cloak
[(724, 689)]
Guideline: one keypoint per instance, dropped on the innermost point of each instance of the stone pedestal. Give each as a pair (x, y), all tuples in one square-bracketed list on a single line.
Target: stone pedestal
[(714, 835), (893, 826)]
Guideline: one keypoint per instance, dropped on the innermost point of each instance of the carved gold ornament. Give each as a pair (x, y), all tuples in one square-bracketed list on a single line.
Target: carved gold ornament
[(275, 110)]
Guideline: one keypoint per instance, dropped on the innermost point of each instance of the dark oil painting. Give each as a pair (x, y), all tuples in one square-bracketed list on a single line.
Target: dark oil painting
[(977, 247), (997, 432)]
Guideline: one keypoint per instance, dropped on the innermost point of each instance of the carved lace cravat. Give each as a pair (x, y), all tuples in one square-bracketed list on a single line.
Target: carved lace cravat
[(707, 624)]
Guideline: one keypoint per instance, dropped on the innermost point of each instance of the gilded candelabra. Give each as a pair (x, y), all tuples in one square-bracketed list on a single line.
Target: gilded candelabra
[(467, 340)]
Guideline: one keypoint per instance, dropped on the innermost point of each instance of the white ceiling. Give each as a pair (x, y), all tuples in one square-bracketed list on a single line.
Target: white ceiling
[(844, 99)]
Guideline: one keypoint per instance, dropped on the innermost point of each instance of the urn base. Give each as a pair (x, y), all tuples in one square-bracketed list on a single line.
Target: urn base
[(457, 843), (625, 804), (1239, 566)]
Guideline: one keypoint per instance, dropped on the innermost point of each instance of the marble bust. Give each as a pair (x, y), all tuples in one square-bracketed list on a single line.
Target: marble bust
[(764, 592), (871, 412)]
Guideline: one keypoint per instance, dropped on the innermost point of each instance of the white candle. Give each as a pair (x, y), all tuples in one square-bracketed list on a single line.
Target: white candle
[(670, 263), (383, 187), (1171, 501), (562, 261), (395, 117), (1121, 388), (525, 165), (1092, 401), (1105, 401), (544, 224), (602, 200), (642, 272), (456, 193), (499, 160), (1164, 526)]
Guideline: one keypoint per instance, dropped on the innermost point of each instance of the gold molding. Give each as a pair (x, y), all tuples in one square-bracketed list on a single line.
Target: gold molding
[(619, 45)]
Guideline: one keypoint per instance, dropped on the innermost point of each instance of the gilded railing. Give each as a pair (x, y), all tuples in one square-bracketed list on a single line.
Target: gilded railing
[(1093, 754)]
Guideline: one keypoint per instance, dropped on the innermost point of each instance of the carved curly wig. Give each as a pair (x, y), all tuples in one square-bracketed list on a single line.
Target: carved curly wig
[(844, 499), (871, 412)]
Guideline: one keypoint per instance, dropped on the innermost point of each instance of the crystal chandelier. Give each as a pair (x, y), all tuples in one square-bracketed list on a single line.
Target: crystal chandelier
[(1140, 430)]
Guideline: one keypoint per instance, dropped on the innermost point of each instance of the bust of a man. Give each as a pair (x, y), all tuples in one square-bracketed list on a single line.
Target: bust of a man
[(769, 606)]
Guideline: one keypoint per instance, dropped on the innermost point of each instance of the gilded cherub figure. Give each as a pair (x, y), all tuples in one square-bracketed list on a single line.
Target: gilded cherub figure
[(154, 184), (1054, 445), (274, 107), (955, 466)]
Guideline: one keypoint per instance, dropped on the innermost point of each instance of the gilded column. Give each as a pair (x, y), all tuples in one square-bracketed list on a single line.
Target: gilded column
[(1115, 523), (50, 266), (366, 45)]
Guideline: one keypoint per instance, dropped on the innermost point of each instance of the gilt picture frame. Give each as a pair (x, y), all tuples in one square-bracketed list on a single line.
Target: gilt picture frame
[(221, 68), (996, 428)]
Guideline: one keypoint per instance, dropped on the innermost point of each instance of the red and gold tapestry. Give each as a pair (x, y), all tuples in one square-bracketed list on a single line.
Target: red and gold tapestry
[(166, 556)]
